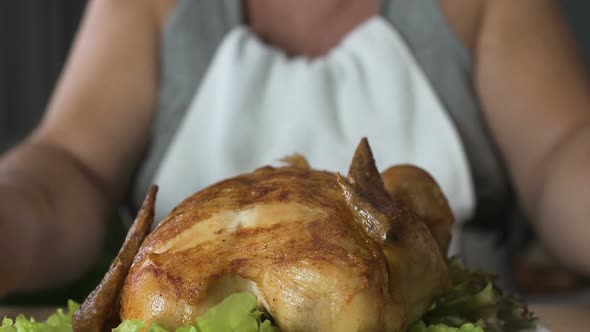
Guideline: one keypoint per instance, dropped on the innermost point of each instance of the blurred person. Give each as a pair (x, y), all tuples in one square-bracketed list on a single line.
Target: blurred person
[(488, 96)]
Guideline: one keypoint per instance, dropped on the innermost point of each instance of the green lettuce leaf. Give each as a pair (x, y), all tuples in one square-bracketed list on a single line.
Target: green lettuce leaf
[(237, 313), (58, 322), (130, 325), (474, 299), (134, 325), (421, 327)]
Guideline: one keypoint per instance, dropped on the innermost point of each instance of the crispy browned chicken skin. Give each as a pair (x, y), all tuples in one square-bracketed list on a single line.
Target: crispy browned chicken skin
[(322, 252)]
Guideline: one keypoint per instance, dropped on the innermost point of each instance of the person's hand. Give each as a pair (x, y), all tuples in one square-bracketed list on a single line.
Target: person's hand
[(307, 27), (17, 243)]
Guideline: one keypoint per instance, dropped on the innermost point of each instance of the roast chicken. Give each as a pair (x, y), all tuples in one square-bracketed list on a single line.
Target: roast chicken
[(321, 251)]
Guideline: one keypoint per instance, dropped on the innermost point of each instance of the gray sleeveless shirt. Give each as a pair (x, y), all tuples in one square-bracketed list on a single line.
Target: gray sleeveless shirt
[(197, 27)]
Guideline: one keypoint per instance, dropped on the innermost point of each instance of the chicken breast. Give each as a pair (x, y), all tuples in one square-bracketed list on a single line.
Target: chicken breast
[(322, 252)]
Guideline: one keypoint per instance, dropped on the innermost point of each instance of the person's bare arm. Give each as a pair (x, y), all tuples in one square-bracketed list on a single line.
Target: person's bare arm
[(536, 94), (57, 187)]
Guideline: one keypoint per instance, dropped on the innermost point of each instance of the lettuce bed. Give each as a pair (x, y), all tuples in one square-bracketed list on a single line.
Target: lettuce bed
[(473, 304)]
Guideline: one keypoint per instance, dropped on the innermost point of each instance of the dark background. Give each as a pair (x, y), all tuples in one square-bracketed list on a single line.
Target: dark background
[(35, 36)]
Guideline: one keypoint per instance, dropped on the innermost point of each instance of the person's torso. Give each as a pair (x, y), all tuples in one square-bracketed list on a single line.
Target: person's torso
[(197, 28)]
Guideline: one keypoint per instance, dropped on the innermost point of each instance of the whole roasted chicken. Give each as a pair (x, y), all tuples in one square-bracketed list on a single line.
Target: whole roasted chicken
[(322, 252)]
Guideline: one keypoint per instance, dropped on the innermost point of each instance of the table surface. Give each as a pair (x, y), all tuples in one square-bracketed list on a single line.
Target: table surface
[(557, 318)]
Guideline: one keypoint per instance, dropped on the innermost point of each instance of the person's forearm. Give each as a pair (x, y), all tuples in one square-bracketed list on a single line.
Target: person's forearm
[(82, 156), (536, 95), (46, 240), (563, 215)]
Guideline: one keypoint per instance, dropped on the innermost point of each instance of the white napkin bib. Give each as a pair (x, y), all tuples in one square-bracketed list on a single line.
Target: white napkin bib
[(256, 106)]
